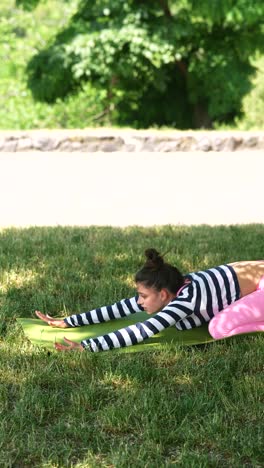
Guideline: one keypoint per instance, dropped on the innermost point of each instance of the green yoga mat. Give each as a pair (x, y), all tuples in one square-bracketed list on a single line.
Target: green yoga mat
[(41, 334)]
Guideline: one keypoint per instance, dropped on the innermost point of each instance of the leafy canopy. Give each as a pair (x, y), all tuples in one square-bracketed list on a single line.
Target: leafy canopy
[(188, 62)]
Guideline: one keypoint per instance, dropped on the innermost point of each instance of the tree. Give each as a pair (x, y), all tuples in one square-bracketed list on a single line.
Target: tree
[(184, 63)]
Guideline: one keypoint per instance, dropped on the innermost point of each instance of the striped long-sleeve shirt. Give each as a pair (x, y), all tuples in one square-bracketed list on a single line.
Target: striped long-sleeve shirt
[(207, 293)]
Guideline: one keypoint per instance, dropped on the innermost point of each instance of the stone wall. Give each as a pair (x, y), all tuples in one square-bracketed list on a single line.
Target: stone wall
[(109, 140)]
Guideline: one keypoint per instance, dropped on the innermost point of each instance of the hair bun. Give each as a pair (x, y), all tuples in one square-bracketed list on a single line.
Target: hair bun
[(154, 259)]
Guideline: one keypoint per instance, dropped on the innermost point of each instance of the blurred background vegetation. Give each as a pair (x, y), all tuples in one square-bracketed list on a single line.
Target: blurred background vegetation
[(152, 63)]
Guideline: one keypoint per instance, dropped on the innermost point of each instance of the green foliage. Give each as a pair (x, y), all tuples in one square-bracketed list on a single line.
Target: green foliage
[(229, 12), (253, 103), (28, 5), (21, 35), (139, 51), (225, 88), (155, 63)]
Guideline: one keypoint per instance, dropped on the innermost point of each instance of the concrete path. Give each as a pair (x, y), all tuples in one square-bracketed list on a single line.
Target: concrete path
[(121, 189)]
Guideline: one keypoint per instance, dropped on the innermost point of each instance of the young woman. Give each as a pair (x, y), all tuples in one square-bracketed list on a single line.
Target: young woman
[(230, 297)]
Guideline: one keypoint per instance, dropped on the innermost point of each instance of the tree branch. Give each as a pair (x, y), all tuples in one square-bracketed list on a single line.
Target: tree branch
[(182, 66), (165, 6)]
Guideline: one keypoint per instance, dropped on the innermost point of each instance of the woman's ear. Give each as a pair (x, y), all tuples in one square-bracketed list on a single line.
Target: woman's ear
[(165, 295)]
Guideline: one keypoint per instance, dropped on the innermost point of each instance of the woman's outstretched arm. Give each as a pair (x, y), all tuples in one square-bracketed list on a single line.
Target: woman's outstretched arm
[(138, 332), (118, 310), (104, 314)]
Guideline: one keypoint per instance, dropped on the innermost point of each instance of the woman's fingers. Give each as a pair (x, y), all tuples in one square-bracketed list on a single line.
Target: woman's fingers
[(69, 341), (71, 345), (61, 347), (53, 322), (46, 318), (42, 316)]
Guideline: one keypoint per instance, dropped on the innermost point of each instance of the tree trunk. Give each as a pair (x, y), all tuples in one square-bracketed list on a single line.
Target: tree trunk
[(165, 6), (200, 117)]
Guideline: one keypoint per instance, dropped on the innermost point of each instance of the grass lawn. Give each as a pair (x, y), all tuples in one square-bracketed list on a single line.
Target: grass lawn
[(190, 407)]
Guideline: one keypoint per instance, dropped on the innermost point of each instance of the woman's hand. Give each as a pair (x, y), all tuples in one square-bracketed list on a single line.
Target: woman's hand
[(59, 323), (71, 346)]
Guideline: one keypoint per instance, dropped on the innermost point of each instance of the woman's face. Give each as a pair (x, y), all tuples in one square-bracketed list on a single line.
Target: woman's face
[(152, 300)]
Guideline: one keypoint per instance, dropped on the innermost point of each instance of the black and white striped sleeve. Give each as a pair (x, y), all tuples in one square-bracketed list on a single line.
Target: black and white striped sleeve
[(104, 314), (136, 333)]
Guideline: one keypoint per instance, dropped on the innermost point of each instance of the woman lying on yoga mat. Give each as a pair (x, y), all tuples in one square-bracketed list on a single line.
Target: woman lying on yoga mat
[(236, 289)]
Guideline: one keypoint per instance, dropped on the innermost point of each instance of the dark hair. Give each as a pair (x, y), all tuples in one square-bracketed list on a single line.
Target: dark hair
[(157, 274)]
